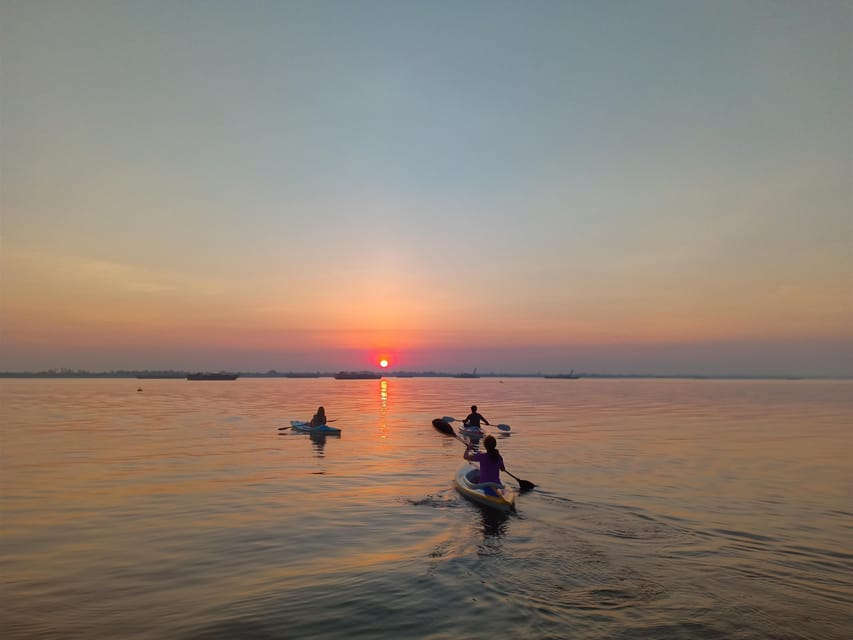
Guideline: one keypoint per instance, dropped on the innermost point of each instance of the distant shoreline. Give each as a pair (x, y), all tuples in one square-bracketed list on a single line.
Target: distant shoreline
[(180, 375)]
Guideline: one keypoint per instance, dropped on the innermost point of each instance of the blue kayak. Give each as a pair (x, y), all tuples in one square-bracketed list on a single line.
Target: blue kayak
[(305, 427)]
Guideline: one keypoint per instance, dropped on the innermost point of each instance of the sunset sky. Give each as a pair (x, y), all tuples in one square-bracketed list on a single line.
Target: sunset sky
[(635, 187)]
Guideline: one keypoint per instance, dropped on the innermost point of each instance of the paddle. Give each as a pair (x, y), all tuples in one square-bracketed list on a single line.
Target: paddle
[(445, 428), (525, 485), (502, 427)]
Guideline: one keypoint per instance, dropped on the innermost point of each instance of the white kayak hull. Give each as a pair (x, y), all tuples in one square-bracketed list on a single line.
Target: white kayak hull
[(305, 427), (501, 497)]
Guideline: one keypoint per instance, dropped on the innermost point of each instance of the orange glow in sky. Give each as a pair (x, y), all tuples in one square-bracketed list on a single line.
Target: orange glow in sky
[(661, 241)]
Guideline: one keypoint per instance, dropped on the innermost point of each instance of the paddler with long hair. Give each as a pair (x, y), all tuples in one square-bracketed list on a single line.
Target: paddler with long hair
[(319, 418), (491, 461)]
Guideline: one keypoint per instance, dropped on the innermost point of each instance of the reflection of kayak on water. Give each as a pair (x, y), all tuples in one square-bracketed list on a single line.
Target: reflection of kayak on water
[(491, 494), (305, 427)]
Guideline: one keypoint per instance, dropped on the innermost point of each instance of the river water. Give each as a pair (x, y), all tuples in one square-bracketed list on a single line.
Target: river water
[(663, 509)]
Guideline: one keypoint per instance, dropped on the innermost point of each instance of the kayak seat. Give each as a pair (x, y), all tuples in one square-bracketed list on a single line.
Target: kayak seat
[(474, 475)]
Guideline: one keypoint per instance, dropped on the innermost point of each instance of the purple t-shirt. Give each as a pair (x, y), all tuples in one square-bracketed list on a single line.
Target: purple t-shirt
[(490, 470)]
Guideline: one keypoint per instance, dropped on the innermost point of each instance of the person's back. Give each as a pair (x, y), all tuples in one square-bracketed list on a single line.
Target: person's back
[(474, 418), (319, 418), (491, 462)]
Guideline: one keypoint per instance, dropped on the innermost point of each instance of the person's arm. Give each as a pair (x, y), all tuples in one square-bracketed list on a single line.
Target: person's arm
[(483, 418), (469, 455)]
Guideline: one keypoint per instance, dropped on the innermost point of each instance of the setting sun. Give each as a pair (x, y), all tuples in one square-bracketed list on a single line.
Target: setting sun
[(383, 363)]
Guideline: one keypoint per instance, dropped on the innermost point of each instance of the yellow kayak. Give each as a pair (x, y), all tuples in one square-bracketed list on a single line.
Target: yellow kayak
[(490, 494)]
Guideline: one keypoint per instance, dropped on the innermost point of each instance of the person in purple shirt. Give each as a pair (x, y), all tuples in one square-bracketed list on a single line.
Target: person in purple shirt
[(491, 461)]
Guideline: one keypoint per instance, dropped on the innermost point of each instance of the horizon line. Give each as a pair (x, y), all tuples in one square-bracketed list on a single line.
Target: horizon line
[(273, 373)]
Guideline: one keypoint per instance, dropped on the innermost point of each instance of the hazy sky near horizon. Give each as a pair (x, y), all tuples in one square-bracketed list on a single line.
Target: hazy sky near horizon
[(653, 186)]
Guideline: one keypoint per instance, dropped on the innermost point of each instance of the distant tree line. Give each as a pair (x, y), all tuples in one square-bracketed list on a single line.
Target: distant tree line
[(272, 373)]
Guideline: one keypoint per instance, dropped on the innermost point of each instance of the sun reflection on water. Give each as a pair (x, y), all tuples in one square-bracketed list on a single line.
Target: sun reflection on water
[(383, 408)]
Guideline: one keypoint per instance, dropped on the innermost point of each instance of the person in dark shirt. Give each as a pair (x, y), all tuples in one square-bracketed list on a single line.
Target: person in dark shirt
[(474, 418), (319, 418)]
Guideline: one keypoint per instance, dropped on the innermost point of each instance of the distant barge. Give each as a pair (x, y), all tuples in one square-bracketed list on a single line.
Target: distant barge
[(467, 375), (213, 376), (563, 376), (357, 375)]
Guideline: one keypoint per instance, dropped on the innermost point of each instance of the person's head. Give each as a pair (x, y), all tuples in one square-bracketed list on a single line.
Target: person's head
[(321, 411), (474, 408), (491, 447)]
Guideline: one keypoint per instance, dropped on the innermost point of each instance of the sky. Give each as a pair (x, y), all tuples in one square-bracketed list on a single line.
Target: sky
[(611, 187)]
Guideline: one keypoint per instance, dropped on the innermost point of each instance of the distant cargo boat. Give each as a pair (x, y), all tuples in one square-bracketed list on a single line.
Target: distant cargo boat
[(357, 375), (564, 376), (467, 375), (213, 376)]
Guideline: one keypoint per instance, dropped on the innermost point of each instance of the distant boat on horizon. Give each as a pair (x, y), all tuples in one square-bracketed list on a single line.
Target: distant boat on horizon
[(213, 376), (563, 376), (467, 375), (357, 375), (293, 374)]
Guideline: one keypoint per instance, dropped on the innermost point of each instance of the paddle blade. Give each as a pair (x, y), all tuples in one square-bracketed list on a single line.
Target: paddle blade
[(448, 419), (441, 425), (526, 485), (503, 427)]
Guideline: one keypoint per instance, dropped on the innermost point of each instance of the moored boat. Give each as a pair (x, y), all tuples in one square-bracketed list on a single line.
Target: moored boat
[(490, 494), (473, 374), (563, 376), (305, 427), (213, 376), (357, 375)]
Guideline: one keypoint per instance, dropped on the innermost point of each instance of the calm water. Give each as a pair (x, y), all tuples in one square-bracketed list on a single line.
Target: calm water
[(664, 509)]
